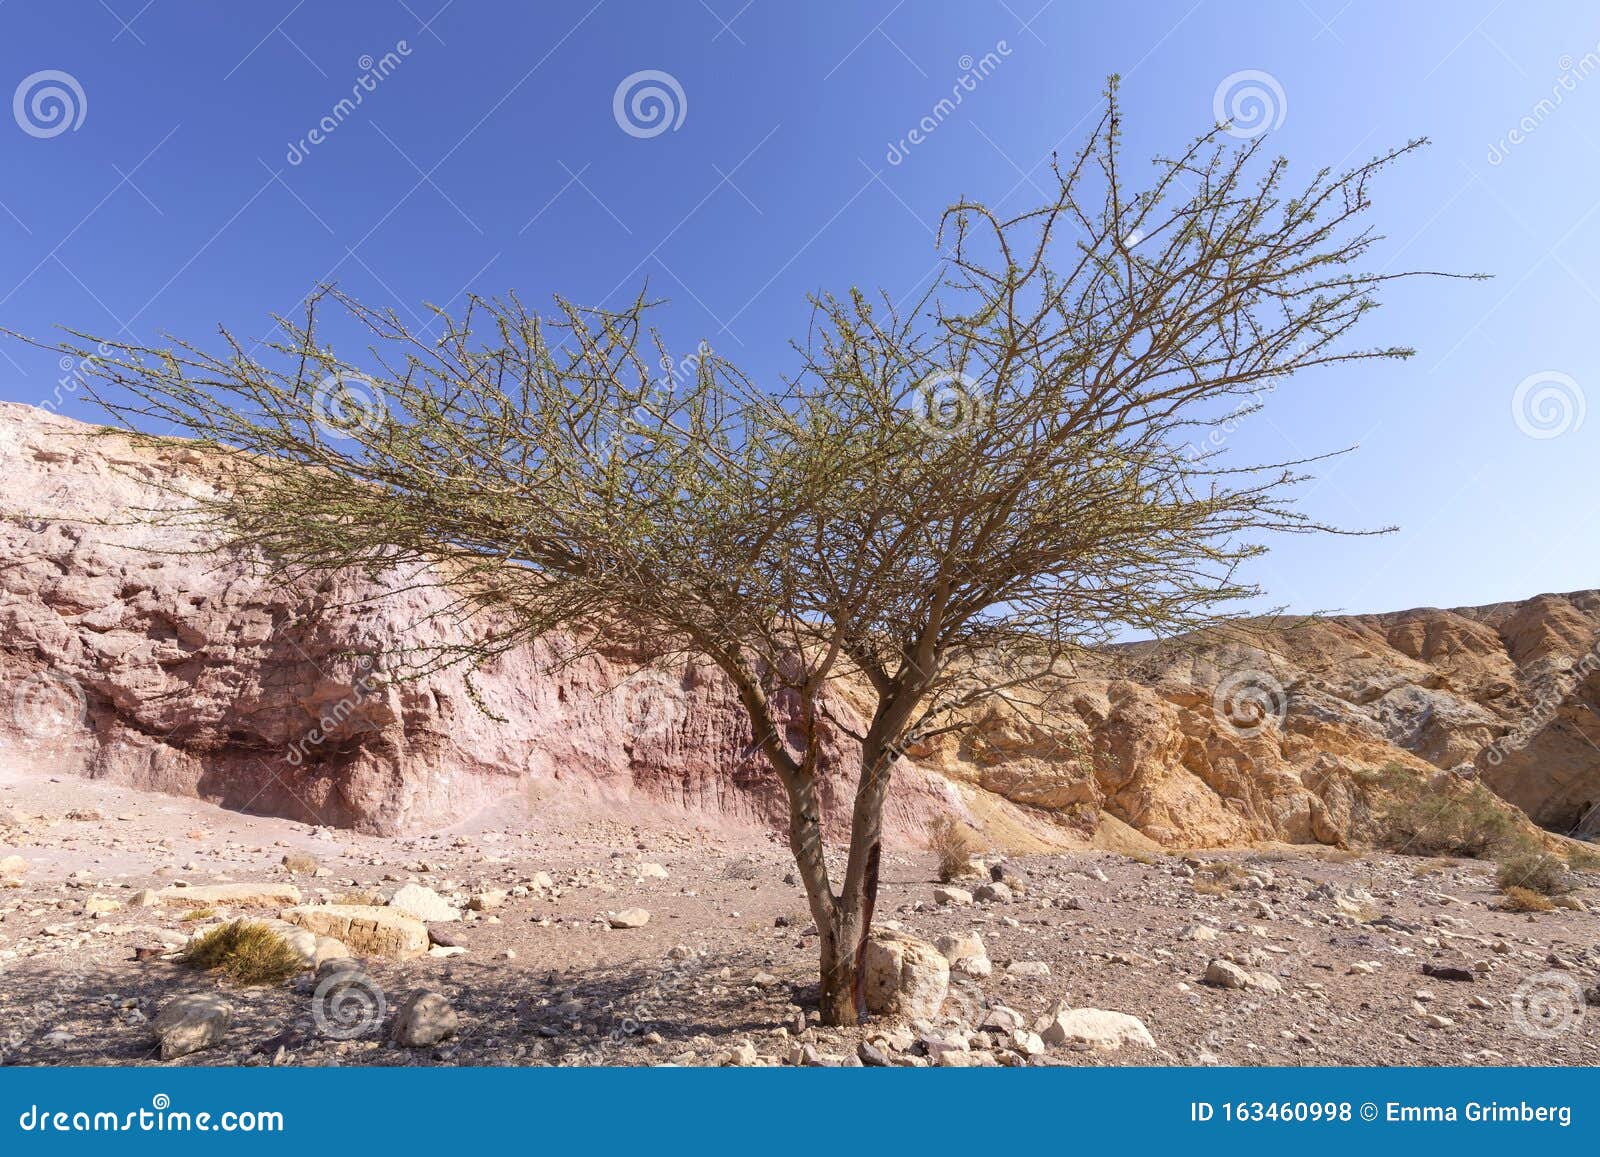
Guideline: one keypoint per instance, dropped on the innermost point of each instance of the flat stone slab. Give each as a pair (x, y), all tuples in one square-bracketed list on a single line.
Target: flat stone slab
[(366, 930), (229, 896)]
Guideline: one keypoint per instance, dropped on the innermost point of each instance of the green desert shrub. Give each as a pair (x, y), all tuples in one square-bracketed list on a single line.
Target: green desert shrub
[(1449, 819)]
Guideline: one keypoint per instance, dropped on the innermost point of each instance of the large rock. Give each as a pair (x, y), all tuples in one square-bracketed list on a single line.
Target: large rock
[(364, 929), (425, 904), (188, 1024), (1093, 1028), (229, 896), (905, 976), (130, 659)]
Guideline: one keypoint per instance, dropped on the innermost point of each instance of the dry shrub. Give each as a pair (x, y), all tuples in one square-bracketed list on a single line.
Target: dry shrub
[(1204, 887), (245, 951), (952, 841), (1533, 870), (198, 914), (1526, 900)]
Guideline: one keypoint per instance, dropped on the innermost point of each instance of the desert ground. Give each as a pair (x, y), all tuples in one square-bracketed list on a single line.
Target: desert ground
[(1272, 956)]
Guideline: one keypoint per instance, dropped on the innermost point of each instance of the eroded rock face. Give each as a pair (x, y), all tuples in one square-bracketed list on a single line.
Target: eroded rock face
[(125, 656)]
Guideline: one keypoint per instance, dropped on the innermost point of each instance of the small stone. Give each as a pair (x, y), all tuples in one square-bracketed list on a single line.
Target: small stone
[(628, 918), (1226, 974), (489, 901), (426, 1018), (1434, 1020), (953, 896), (1027, 968), (188, 1024), (993, 893), (649, 871), (299, 862), (873, 1055), (1002, 1019)]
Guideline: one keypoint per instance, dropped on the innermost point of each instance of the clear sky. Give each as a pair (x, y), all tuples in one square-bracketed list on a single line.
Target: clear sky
[(176, 184)]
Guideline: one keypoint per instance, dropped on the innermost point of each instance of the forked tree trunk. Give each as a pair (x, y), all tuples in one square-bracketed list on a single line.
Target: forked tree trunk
[(844, 954)]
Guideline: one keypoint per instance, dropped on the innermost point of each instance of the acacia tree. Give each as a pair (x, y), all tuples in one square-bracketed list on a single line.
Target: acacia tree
[(1005, 468)]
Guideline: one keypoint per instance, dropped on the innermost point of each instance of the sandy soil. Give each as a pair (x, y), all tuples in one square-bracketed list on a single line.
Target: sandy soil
[(727, 957)]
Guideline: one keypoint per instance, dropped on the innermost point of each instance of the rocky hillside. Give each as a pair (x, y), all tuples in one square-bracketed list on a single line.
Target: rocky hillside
[(129, 654)]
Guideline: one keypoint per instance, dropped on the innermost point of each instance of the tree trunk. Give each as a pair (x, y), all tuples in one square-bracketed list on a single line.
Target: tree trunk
[(843, 1000)]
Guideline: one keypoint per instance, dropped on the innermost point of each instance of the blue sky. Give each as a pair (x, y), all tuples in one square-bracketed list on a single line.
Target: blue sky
[(183, 191)]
